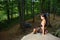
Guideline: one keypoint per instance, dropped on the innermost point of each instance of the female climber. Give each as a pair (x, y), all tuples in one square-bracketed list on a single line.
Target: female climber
[(43, 27)]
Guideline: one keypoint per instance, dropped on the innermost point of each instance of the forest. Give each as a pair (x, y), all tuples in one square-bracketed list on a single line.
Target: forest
[(17, 12)]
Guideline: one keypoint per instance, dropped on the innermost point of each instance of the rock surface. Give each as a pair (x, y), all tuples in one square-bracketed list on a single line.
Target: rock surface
[(39, 36)]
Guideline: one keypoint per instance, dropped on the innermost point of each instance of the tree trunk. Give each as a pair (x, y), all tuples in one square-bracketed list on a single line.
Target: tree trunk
[(54, 9), (48, 10), (26, 7), (21, 10), (7, 8), (42, 6), (12, 11)]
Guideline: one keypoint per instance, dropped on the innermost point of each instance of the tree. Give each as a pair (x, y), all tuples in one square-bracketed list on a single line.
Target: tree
[(42, 5), (54, 9), (7, 9), (11, 9), (21, 10), (26, 7)]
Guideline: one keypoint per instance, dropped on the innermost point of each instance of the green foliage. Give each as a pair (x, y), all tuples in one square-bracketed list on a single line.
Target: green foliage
[(37, 5), (28, 6), (57, 33)]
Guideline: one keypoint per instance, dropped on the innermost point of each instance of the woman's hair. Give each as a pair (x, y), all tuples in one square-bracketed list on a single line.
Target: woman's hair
[(44, 15)]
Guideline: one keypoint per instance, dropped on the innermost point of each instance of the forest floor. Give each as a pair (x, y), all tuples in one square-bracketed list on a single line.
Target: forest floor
[(14, 34)]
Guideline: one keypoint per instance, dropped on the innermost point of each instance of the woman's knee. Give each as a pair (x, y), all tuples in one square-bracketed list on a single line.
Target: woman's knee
[(34, 29)]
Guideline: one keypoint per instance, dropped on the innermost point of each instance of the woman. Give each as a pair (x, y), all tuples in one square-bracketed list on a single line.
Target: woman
[(44, 24), (43, 27)]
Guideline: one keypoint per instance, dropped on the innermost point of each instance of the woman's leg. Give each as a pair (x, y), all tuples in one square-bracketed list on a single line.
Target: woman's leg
[(46, 31), (42, 30), (34, 30)]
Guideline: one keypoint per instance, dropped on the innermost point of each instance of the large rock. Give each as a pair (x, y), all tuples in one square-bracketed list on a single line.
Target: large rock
[(39, 36)]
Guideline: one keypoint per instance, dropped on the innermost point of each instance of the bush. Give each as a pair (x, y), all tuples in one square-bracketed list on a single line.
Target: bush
[(57, 33)]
